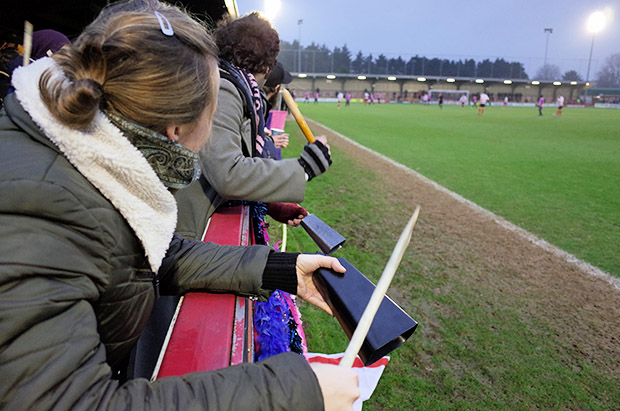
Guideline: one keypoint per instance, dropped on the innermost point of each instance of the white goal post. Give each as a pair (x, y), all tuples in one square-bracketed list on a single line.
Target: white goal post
[(448, 95)]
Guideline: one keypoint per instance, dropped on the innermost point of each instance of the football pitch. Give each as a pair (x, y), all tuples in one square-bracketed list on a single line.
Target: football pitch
[(556, 177)]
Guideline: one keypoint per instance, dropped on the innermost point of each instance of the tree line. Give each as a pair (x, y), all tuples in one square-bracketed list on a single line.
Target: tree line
[(320, 59)]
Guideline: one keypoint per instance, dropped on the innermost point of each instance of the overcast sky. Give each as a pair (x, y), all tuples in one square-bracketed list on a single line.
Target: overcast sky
[(454, 29)]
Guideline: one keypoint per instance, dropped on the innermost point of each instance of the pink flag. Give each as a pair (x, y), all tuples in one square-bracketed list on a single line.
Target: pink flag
[(276, 119)]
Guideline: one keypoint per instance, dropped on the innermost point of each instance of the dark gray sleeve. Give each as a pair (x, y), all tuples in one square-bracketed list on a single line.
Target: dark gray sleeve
[(196, 265)]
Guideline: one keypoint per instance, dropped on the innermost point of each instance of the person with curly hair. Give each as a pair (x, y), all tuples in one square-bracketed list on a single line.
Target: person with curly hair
[(239, 163)]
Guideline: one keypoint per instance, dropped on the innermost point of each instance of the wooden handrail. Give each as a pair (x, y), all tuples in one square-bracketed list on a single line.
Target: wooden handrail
[(211, 331)]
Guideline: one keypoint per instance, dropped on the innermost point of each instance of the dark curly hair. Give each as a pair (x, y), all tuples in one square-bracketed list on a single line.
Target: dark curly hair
[(249, 42)]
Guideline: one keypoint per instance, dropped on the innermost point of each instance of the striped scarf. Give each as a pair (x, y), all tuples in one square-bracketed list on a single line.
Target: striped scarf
[(252, 85)]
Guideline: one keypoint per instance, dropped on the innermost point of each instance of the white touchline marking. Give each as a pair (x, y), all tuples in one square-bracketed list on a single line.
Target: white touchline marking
[(584, 266)]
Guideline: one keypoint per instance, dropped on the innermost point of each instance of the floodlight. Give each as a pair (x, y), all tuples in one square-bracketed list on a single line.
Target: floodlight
[(450, 80), (361, 77), (557, 83), (535, 82), (272, 7), (548, 31), (391, 78), (596, 22), (302, 75), (479, 81), (507, 81), (587, 84), (331, 76), (573, 83), (421, 78)]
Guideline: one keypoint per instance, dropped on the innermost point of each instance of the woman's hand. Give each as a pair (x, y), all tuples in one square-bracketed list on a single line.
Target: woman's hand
[(339, 386), (306, 265)]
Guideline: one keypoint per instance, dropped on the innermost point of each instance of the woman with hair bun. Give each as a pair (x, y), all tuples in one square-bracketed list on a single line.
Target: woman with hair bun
[(92, 143)]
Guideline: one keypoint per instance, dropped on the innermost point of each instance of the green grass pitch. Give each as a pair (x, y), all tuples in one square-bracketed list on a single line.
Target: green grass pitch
[(558, 178)]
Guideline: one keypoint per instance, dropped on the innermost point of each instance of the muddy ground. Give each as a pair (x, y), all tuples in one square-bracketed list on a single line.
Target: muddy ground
[(583, 306)]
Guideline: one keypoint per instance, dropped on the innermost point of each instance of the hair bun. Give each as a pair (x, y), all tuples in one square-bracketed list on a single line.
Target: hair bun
[(79, 101), (149, 78)]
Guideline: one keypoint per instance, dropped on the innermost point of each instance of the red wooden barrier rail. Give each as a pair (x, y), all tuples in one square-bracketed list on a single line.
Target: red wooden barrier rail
[(211, 331)]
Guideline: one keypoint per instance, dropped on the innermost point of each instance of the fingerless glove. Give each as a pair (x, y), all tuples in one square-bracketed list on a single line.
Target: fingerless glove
[(315, 159), (283, 212)]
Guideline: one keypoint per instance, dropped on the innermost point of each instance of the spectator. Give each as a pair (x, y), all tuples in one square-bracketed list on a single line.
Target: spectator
[(44, 44), (233, 160), (87, 221), (238, 162), (270, 93)]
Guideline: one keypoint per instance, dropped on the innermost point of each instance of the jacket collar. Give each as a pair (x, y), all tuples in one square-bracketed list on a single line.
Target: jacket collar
[(109, 161), (18, 115)]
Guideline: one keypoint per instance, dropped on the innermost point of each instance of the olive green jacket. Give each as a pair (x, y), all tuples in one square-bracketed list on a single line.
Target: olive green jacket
[(76, 288)]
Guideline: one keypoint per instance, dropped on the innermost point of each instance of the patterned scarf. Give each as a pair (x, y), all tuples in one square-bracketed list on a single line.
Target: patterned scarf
[(252, 86), (176, 166), (246, 81)]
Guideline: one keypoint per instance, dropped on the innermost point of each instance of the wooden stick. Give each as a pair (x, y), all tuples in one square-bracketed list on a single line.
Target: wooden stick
[(283, 245), (377, 296), (27, 42), (292, 105)]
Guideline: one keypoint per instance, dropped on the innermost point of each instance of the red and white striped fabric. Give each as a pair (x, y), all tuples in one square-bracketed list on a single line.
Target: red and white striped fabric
[(368, 376)]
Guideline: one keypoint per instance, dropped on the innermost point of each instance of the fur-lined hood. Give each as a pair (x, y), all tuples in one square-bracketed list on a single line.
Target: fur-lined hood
[(109, 161)]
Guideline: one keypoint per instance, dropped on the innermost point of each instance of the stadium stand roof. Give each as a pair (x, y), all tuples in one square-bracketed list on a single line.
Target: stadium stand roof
[(433, 79)]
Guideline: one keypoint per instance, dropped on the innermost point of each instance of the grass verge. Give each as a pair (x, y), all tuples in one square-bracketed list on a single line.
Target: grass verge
[(476, 347)]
